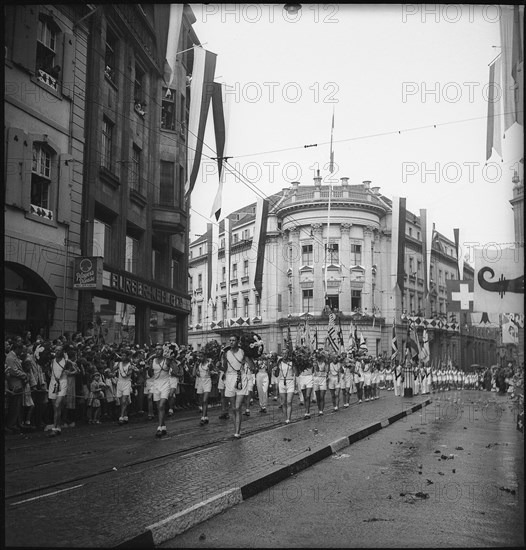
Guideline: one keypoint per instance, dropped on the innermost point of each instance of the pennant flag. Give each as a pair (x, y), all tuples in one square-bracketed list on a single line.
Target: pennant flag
[(352, 342), (460, 295), (332, 338), (410, 344), (394, 343), (460, 259), (218, 101), (517, 60), (484, 319), (499, 280), (259, 241), (398, 242), (288, 342), (215, 261), (201, 88), (308, 335), (172, 44), (424, 350), (340, 337), (227, 234), (209, 266), (511, 33), (494, 131)]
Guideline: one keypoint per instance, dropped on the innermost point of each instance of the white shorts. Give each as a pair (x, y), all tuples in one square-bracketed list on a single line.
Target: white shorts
[(174, 382), (161, 389), (319, 382), (346, 381), (124, 387), (305, 381), (203, 385), (61, 387), (148, 387), (287, 387), (334, 382), (230, 385)]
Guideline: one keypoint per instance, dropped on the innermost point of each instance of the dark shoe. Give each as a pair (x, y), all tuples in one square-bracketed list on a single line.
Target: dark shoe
[(158, 433), (202, 422), (263, 411), (206, 420), (247, 413), (163, 430)]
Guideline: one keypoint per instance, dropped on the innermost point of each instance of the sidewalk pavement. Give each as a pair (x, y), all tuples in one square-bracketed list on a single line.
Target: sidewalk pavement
[(159, 498)]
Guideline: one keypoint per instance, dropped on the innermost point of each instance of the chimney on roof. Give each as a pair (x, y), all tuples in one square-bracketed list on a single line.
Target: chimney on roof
[(317, 179), (345, 181), (375, 190), (295, 185), (366, 184)]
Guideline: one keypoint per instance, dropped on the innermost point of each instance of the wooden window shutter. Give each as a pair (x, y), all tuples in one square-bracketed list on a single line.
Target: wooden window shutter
[(68, 69), (18, 169), (25, 37), (65, 184)]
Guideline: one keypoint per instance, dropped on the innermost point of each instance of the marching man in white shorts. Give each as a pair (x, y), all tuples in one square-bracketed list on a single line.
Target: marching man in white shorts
[(203, 383), (284, 371), (236, 379), (160, 372), (305, 384)]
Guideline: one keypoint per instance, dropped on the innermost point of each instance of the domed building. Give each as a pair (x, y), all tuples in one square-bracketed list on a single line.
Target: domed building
[(326, 248)]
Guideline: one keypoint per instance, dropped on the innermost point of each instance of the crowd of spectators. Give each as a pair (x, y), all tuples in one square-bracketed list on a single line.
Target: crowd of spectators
[(92, 374)]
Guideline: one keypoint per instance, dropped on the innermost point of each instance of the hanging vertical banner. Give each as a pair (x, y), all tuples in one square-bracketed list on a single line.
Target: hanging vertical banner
[(220, 135), (226, 226), (172, 44), (398, 242), (260, 237), (201, 88), (460, 260), (494, 126), (215, 261)]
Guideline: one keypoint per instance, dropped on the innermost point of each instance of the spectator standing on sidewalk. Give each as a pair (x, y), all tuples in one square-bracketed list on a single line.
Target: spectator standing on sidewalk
[(28, 404), (71, 393), (358, 378), (16, 380), (262, 381), (94, 399), (367, 379)]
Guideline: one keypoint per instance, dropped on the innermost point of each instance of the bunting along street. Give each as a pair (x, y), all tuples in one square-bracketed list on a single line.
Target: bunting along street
[(451, 475)]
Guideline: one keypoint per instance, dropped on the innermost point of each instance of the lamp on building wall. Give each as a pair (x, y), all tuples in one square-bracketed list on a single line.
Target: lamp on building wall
[(292, 9)]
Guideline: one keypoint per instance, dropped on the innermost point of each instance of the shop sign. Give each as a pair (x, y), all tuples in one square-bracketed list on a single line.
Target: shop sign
[(146, 291), (87, 273)]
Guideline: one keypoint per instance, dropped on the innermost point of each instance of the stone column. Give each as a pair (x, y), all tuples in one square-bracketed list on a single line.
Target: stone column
[(367, 301), (295, 264), (345, 261), (319, 260)]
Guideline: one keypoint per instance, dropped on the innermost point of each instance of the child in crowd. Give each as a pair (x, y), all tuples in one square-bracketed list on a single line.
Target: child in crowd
[(94, 400)]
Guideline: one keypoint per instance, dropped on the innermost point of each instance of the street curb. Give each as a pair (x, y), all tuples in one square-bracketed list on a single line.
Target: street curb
[(182, 521)]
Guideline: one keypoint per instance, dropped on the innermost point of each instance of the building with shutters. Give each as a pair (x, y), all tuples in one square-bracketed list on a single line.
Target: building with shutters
[(300, 279), (134, 213), (96, 222), (44, 114)]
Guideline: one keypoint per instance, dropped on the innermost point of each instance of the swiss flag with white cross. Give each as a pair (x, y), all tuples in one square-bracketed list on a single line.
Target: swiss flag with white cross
[(460, 294)]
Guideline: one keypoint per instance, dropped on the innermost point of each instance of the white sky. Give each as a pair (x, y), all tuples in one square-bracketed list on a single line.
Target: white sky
[(363, 58)]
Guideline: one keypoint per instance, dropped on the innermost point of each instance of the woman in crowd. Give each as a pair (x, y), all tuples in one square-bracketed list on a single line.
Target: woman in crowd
[(358, 378), (367, 379), (305, 382), (347, 381)]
